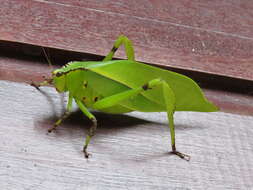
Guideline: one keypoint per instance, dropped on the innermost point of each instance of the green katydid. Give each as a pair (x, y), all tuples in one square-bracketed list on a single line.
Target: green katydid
[(121, 86)]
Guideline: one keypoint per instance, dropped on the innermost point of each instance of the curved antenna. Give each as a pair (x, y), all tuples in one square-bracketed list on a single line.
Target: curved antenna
[(47, 57)]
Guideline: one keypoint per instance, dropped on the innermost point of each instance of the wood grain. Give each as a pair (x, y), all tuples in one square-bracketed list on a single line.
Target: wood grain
[(209, 36), (129, 151)]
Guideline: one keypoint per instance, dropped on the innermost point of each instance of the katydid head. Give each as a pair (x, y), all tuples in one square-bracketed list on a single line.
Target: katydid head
[(59, 80), (69, 72)]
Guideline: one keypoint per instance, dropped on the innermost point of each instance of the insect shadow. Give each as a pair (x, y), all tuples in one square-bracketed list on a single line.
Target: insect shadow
[(51, 102), (106, 122)]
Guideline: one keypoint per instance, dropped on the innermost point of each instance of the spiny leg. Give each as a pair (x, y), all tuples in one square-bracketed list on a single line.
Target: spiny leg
[(128, 48), (89, 136), (170, 101), (92, 129), (117, 98)]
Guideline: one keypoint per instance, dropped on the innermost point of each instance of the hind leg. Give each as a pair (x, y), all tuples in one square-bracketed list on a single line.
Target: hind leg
[(128, 48)]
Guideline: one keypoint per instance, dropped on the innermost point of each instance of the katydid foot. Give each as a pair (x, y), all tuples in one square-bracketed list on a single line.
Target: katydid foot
[(181, 155), (86, 154), (59, 121), (52, 128)]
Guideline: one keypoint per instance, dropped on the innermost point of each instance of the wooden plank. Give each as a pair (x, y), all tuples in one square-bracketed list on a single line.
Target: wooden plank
[(129, 151), (208, 36)]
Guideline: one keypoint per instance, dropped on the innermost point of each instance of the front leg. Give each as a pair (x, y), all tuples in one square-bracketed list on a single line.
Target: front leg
[(64, 116), (46, 82), (92, 129)]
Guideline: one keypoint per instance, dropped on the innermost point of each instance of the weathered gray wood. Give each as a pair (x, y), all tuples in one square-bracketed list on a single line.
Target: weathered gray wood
[(129, 151)]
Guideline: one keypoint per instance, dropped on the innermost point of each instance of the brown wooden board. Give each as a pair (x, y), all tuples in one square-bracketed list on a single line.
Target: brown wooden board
[(208, 36), (129, 151)]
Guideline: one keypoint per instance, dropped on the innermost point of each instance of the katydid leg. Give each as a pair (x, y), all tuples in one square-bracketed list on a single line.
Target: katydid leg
[(92, 129), (64, 116), (128, 48), (117, 98), (173, 144), (44, 83), (169, 98), (170, 101)]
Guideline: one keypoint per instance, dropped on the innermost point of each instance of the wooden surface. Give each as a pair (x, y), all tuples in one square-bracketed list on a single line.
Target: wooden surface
[(211, 39), (129, 151), (208, 36)]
